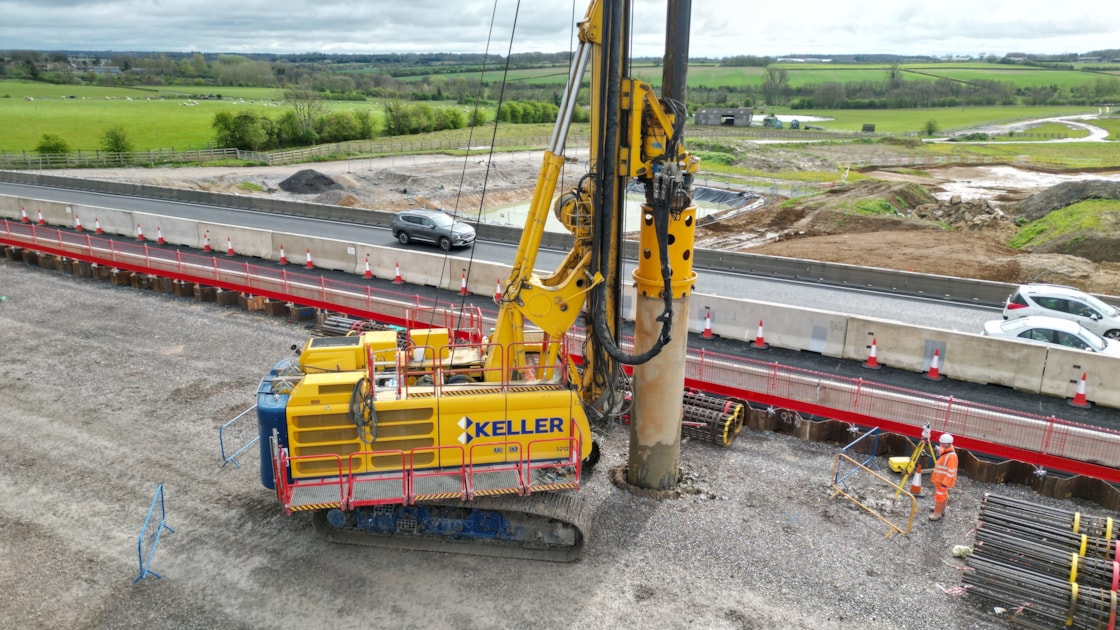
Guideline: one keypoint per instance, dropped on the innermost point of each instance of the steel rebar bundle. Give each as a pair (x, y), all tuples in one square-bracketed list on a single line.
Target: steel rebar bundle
[(1051, 567)]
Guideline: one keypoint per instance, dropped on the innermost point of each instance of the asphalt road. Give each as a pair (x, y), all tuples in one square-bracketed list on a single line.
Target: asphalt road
[(921, 311)]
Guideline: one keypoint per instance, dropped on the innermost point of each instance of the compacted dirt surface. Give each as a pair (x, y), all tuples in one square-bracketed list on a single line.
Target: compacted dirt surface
[(111, 391)]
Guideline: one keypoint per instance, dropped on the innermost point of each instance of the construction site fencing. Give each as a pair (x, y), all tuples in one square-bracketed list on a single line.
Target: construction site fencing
[(148, 539), (1046, 442), (240, 431)]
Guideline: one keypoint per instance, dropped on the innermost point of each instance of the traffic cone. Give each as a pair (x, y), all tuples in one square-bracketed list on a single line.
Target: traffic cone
[(229, 247), (934, 373), (369, 274), (707, 334), (760, 340), (916, 484), (41, 221), (97, 226), (309, 265), (206, 242), (77, 222), (283, 256), (1079, 399), (139, 232), (463, 284), (23, 215), (498, 293), (397, 279), (159, 236), (872, 362)]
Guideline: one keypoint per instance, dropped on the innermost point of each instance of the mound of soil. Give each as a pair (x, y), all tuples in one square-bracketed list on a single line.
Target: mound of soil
[(339, 198), (308, 182), (1066, 194)]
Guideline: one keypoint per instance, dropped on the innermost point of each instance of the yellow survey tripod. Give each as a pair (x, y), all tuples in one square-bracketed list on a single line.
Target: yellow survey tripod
[(923, 447)]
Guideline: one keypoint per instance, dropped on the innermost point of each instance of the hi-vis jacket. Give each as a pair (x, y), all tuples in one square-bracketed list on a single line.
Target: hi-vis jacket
[(945, 472)]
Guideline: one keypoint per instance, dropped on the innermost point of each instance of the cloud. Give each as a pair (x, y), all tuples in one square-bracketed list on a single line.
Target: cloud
[(720, 28)]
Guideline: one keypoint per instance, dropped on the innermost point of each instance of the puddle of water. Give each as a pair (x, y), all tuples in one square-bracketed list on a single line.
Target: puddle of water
[(989, 181)]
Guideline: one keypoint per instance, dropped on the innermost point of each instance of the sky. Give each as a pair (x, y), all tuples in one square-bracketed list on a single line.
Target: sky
[(719, 28)]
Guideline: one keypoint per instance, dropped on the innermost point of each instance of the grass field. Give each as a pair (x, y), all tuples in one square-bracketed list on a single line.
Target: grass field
[(153, 119)]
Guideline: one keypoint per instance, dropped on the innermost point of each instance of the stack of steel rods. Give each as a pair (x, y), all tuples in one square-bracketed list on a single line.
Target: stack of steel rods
[(711, 418), (1051, 567)]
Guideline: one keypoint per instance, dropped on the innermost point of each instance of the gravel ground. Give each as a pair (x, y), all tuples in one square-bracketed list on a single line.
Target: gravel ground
[(110, 391)]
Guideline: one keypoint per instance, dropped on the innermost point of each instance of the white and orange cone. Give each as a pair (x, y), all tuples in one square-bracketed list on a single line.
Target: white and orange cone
[(1079, 399), (707, 334), (498, 293), (159, 236), (97, 226), (283, 256), (872, 362), (229, 247), (309, 265), (934, 373), (916, 483), (369, 273), (23, 216), (463, 284), (41, 221), (139, 232), (78, 223), (206, 242), (760, 339), (397, 279)]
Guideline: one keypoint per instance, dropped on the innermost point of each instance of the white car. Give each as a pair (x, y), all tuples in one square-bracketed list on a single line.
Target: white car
[(1053, 300), (1052, 331)]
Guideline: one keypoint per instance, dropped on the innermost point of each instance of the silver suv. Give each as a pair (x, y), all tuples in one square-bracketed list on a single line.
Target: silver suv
[(1067, 303), (432, 226)]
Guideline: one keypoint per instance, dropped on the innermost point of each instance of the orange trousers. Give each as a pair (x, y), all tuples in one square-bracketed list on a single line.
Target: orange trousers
[(940, 494)]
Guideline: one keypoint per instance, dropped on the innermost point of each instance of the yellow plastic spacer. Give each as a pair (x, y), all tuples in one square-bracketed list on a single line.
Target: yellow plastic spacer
[(1084, 543), (1108, 528), (1072, 604), (1076, 522), (1073, 568)]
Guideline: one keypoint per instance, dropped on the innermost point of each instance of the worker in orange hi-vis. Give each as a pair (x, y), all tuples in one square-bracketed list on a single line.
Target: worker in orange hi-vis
[(944, 476)]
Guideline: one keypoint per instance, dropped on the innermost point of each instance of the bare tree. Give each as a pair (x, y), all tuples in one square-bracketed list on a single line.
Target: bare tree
[(894, 76), (308, 106), (775, 84)]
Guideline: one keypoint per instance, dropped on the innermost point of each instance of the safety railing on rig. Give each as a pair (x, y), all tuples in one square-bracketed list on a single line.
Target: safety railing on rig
[(355, 484), (1047, 442)]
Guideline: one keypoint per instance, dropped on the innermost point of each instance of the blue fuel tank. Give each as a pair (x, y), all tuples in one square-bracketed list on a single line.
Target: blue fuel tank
[(272, 413)]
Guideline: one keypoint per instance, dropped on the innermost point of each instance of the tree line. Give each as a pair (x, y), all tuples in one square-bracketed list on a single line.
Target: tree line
[(428, 77)]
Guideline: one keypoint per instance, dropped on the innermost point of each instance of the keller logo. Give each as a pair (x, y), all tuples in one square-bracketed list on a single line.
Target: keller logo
[(507, 428)]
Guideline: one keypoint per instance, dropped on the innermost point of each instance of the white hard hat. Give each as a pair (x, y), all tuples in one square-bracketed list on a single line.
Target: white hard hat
[(946, 438)]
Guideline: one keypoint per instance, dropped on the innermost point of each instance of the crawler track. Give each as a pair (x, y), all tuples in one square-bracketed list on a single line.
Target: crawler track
[(538, 512)]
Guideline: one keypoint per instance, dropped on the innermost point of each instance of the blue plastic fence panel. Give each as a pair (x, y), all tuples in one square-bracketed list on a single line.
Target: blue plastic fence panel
[(148, 539)]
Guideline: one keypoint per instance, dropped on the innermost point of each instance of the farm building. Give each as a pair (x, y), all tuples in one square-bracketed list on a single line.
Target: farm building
[(729, 116)]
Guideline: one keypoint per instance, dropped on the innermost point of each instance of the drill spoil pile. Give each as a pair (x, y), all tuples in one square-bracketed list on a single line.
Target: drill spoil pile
[(1052, 568)]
